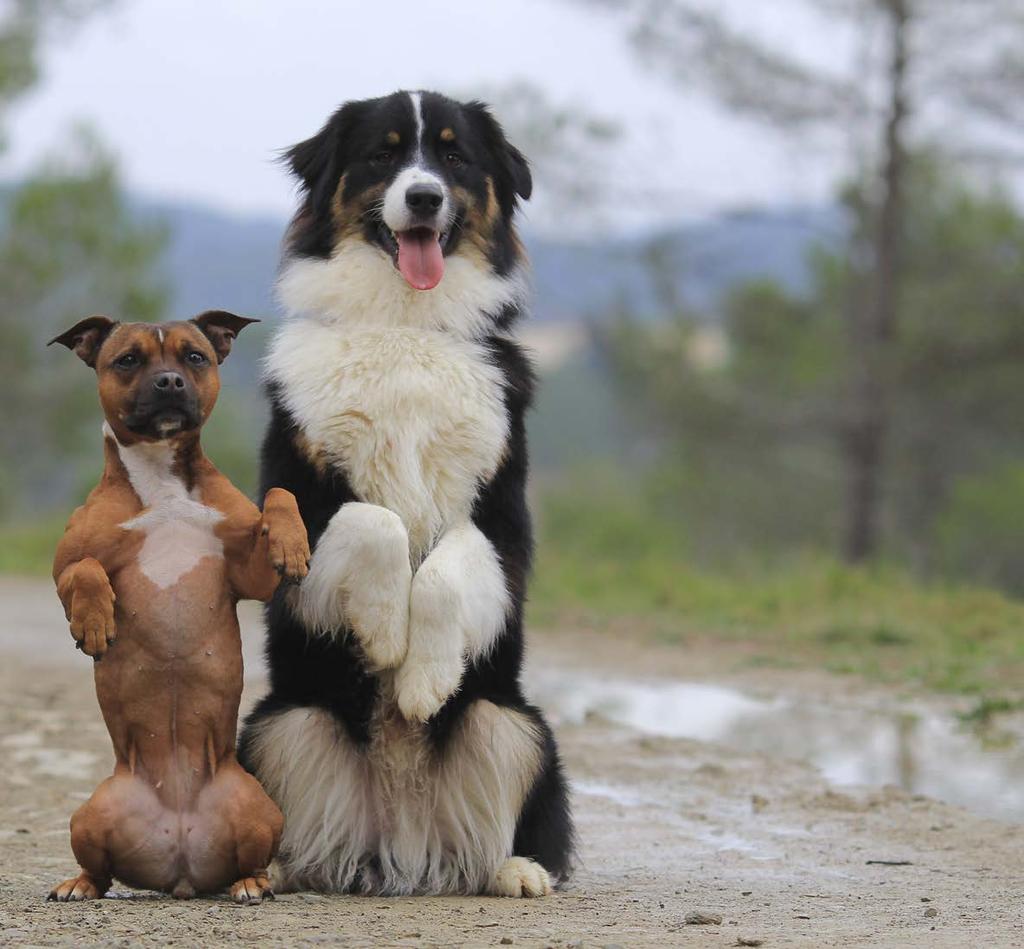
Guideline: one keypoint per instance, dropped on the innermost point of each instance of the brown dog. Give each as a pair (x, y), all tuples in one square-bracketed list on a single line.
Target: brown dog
[(159, 555)]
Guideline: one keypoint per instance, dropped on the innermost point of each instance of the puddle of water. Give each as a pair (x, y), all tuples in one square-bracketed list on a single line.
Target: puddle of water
[(912, 748)]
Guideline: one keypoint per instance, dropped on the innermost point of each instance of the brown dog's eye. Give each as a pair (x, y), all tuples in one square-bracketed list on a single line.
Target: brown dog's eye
[(127, 361), (196, 358)]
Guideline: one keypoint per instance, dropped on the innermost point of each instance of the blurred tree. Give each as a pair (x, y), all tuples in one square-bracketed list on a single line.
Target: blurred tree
[(23, 25), (776, 411), (895, 74), (70, 246)]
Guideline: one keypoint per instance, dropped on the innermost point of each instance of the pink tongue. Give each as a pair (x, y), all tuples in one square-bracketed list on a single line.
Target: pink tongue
[(420, 259)]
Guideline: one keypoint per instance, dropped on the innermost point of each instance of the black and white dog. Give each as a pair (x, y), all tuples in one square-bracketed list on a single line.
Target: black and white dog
[(396, 738)]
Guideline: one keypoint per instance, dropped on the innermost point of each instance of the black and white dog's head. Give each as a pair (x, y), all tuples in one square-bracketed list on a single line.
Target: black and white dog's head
[(419, 178)]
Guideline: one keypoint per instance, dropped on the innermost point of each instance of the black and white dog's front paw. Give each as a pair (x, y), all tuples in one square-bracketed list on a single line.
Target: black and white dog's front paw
[(360, 577), (458, 606)]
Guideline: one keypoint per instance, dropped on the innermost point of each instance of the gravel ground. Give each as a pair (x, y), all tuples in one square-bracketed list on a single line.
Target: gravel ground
[(684, 843)]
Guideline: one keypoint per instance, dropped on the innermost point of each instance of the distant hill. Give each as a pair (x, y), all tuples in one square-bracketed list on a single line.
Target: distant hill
[(216, 259)]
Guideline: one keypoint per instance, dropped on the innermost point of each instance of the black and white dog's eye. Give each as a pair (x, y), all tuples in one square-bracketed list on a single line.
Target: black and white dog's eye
[(127, 361), (454, 159), (383, 157), (196, 358)]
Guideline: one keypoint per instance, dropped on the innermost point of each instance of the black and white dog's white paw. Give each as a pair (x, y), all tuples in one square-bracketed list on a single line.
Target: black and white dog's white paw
[(521, 877), (458, 605), (360, 577)]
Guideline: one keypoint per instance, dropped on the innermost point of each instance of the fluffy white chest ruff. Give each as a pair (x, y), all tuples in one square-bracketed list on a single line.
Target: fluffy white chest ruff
[(414, 417), (178, 528)]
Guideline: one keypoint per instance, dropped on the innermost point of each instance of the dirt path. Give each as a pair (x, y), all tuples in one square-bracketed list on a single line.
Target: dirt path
[(669, 827)]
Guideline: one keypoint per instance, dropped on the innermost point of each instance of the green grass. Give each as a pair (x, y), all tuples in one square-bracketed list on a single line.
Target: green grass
[(27, 548), (618, 565), (614, 564)]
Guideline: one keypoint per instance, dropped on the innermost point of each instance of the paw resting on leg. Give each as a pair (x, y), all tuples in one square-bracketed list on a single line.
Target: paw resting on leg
[(360, 576), (458, 607), (520, 876), (434, 665), (287, 543)]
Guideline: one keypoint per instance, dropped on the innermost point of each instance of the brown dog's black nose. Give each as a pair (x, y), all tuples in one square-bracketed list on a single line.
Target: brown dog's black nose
[(168, 381), (424, 198)]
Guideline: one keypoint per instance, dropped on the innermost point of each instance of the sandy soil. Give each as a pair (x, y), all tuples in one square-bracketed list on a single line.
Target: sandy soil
[(668, 828)]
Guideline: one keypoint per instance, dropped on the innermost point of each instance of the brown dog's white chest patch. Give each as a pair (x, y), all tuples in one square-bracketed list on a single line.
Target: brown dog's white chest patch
[(415, 418), (178, 527)]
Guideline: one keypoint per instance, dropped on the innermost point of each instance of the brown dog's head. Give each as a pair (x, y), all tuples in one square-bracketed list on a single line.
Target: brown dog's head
[(156, 381)]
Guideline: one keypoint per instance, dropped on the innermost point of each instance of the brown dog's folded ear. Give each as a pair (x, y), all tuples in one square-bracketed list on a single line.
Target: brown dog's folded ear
[(86, 337), (220, 328)]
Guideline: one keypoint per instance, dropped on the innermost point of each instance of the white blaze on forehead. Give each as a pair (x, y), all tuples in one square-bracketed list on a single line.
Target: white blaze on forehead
[(417, 114)]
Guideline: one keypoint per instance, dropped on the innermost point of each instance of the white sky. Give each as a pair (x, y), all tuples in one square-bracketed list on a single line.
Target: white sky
[(196, 96)]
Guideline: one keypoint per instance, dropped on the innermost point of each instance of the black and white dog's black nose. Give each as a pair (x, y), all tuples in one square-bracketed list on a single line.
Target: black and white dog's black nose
[(424, 198)]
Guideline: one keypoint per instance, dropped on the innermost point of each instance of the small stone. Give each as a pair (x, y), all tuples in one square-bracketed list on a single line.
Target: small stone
[(506, 940), (703, 919), (930, 912), (748, 941), (758, 803)]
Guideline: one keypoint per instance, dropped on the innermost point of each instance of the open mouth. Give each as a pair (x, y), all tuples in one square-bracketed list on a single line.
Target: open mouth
[(418, 254), (163, 423)]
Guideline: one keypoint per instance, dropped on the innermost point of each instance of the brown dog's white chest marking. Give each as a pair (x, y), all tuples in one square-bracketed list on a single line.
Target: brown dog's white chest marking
[(178, 527)]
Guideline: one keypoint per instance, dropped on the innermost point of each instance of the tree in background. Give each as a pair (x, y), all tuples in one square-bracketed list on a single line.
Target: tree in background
[(762, 431), (69, 246), (914, 69), (23, 26)]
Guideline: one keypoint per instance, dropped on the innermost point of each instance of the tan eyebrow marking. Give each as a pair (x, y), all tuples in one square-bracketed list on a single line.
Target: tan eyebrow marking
[(447, 135), (393, 138)]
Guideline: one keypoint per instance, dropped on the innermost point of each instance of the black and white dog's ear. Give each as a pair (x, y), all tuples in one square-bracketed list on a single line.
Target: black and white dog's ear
[(86, 337), (221, 328), (512, 169), (319, 162)]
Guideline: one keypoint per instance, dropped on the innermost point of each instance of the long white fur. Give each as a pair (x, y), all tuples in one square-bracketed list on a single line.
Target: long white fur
[(359, 285), (359, 575), (458, 607), (179, 528), (396, 818), (414, 417)]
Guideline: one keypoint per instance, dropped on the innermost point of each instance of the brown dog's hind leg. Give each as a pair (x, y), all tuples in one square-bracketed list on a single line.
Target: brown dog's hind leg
[(90, 852), (255, 823)]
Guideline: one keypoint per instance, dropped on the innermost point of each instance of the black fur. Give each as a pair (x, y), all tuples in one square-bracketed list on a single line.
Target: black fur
[(329, 673)]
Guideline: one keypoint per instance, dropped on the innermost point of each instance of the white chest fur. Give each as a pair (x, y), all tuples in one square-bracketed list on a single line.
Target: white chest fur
[(414, 417), (179, 528)]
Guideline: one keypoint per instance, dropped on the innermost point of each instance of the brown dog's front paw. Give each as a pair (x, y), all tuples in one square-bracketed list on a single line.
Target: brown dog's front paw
[(81, 887), (92, 618), (287, 543)]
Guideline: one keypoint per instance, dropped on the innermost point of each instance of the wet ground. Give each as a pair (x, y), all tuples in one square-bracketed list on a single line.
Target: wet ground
[(798, 809)]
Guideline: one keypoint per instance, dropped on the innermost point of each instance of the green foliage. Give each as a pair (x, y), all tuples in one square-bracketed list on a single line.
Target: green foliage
[(69, 247), (22, 26), (609, 560), (763, 428)]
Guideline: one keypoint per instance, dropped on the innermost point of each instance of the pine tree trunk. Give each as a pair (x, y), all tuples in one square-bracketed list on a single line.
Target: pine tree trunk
[(872, 325)]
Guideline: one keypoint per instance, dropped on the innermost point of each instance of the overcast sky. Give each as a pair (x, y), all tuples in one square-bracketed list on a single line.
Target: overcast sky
[(196, 97)]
